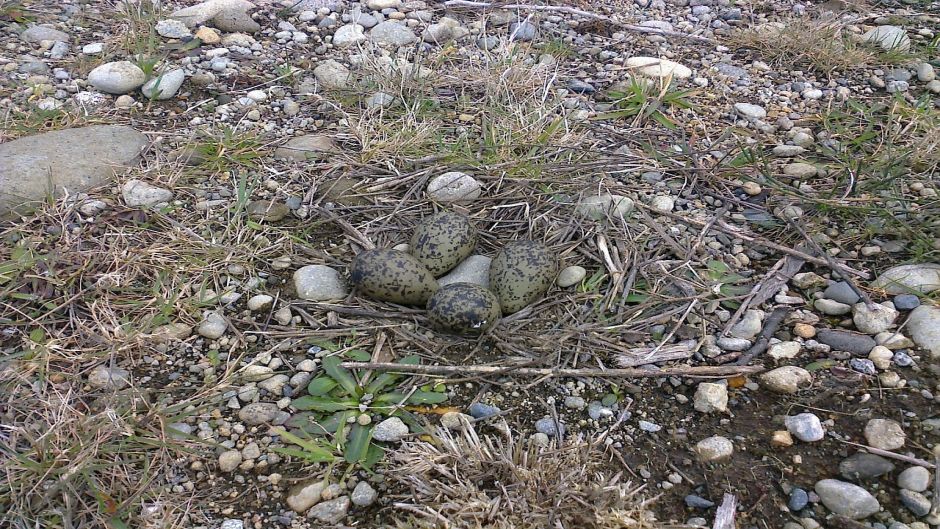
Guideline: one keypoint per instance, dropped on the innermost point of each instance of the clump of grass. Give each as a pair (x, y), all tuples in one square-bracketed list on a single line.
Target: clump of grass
[(818, 44), (481, 109), (18, 123), (471, 481), (137, 36), (78, 458), (643, 101)]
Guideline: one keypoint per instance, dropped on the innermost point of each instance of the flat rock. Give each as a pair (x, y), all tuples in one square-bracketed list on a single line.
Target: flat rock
[(848, 341), (598, 207), (800, 170), (348, 35), (831, 307), (267, 210), (34, 167), (307, 147), (137, 193), (235, 20), (862, 466), (784, 350), (304, 495), (363, 495), (658, 68), (393, 34), (259, 413), (330, 512), (38, 33), (711, 397), (165, 85), (172, 29), (446, 30), (474, 269), (841, 291), (229, 460), (884, 434), (203, 12), (750, 111), (118, 77), (105, 377), (889, 38), (332, 75), (873, 320), (923, 326), (917, 503), (846, 499), (749, 326), (319, 283), (786, 379), (910, 278)]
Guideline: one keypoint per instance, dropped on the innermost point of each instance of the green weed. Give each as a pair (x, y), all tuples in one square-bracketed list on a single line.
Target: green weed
[(339, 412), (643, 101)]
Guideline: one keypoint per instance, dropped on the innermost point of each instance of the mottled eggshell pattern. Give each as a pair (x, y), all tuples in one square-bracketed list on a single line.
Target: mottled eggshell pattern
[(441, 241), (521, 273), (463, 308), (391, 275)]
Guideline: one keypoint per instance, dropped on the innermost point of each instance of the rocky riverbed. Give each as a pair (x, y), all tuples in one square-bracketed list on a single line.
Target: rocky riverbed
[(726, 215)]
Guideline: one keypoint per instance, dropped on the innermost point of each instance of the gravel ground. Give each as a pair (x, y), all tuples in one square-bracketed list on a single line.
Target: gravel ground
[(702, 238)]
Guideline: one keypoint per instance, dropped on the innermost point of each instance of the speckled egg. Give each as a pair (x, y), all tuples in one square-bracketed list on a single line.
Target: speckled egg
[(521, 273), (441, 241), (463, 308), (391, 275)]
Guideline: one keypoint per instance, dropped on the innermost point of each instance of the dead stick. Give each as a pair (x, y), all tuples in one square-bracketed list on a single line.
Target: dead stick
[(724, 516), (573, 11), (754, 239), (763, 340), (892, 455), (699, 371)]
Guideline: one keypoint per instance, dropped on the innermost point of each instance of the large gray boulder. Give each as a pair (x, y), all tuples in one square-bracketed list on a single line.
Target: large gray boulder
[(34, 167)]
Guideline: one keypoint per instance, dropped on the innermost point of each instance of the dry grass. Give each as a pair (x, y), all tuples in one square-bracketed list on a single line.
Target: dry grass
[(822, 45), (465, 481), (477, 108)]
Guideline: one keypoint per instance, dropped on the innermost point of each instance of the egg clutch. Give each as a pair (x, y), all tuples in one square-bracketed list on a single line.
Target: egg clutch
[(520, 274)]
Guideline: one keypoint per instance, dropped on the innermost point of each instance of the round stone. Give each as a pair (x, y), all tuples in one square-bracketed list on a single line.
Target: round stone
[(454, 186), (884, 434), (806, 427), (571, 276), (319, 283), (391, 430), (916, 479), (713, 448), (118, 77), (846, 499), (229, 460)]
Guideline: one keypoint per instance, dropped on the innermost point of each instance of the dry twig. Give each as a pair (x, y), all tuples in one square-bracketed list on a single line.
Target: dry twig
[(685, 371)]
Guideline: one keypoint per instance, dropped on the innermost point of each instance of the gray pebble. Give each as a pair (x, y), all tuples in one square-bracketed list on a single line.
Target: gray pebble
[(574, 403), (806, 427), (548, 426), (698, 502), (841, 292), (863, 365), (478, 410), (915, 502), (798, 499)]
